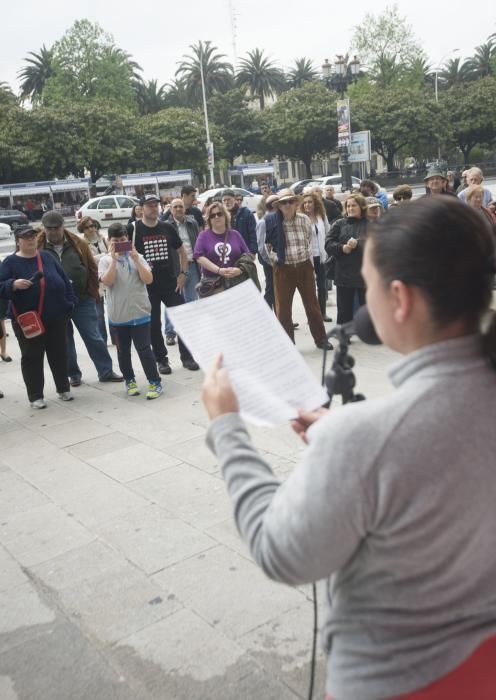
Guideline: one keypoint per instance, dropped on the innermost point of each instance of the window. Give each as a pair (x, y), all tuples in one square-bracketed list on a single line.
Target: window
[(240, 191), (317, 168), (107, 203), (93, 205), (283, 170), (125, 203)]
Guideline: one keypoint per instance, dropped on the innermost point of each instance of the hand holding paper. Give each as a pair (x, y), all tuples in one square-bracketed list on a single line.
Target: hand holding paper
[(269, 376)]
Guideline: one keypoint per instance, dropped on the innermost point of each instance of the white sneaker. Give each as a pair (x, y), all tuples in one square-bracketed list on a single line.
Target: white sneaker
[(65, 396), (39, 403)]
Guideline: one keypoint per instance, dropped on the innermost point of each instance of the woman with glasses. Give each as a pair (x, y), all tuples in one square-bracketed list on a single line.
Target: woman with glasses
[(99, 247), (33, 280), (218, 247)]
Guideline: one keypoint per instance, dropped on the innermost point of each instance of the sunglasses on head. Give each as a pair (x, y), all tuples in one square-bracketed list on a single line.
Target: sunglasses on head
[(216, 214)]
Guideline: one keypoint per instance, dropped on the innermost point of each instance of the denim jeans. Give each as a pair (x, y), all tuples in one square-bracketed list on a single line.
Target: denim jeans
[(141, 339), (189, 294), (85, 318)]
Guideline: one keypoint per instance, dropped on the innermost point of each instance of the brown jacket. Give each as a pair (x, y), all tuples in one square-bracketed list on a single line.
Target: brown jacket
[(84, 252)]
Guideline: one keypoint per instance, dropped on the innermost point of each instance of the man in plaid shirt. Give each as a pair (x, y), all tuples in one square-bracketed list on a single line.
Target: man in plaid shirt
[(288, 237)]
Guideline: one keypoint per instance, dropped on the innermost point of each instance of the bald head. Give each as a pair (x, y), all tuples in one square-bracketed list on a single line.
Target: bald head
[(177, 208)]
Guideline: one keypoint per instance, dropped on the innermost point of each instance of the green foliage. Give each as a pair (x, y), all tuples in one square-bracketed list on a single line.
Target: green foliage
[(469, 113), (87, 65), (302, 123), (241, 128), (173, 138), (302, 72), (35, 75), (18, 154), (384, 43), (151, 97), (401, 118), (259, 76)]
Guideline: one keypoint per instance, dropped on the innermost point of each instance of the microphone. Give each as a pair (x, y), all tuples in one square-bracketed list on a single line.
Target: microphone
[(361, 326), (37, 276)]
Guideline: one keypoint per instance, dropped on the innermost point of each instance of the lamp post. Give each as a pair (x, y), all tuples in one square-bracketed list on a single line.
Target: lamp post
[(210, 145), (340, 75), (436, 73)]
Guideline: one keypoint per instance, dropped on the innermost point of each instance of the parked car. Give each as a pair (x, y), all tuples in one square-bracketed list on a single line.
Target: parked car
[(111, 208), (13, 218), (250, 200), (337, 181), (5, 231), (298, 186)]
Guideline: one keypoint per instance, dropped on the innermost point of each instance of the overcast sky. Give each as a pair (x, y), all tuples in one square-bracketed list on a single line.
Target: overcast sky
[(158, 33)]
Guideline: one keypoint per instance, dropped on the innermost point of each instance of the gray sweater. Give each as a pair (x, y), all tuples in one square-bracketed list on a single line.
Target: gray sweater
[(395, 500)]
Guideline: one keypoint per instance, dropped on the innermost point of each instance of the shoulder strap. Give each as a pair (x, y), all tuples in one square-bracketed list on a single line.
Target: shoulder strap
[(42, 284), (134, 233)]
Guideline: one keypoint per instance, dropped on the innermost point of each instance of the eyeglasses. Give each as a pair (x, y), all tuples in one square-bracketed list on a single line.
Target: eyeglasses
[(52, 228), (403, 196), (287, 201), (89, 226), (216, 214)]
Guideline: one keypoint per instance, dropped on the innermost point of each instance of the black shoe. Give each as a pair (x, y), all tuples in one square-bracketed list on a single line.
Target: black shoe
[(75, 381), (170, 339), (191, 364), (6, 358), (295, 325), (325, 345), (112, 377), (164, 367), (1, 394), (327, 319)]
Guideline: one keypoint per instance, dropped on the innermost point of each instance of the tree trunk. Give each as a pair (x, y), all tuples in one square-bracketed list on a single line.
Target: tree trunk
[(466, 152), (262, 102), (390, 161), (308, 163)]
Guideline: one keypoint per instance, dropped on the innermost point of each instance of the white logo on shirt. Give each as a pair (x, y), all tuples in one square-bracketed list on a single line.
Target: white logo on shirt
[(219, 251)]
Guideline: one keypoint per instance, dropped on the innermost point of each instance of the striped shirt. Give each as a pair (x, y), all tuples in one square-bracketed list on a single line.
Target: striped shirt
[(298, 233)]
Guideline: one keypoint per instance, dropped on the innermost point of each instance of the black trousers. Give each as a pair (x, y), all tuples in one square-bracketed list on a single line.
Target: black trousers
[(345, 299), (140, 337), (269, 282), (169, 297), (54, 343)]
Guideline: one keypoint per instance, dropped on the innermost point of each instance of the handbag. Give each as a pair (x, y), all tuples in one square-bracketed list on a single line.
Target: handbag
[(208, 285), (30, 322)]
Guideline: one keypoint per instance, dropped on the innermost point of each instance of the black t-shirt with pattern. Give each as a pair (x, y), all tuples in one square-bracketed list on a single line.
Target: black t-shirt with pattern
[(156, 243)]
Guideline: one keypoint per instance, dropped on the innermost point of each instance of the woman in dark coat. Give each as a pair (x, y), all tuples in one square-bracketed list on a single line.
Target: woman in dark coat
[(344, 243)]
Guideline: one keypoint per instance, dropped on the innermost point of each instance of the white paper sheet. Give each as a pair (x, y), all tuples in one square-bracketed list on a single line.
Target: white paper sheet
[(268, 374)]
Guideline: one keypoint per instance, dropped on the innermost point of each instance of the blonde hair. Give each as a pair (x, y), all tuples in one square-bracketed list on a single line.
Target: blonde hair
[(318, 207), (473, 189), (219, 205)]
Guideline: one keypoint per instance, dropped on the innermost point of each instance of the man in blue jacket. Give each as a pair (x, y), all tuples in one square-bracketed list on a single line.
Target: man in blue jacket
[(242, 220)]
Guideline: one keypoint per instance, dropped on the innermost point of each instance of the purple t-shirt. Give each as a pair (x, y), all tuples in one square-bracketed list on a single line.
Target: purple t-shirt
[(211, 246)]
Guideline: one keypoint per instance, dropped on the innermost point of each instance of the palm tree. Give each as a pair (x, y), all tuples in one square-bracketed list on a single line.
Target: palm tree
[(177, 94), (455, 72), (34, 76), (123, 58), (482, 63), (303, 71), (6, 95), (217, 74), (150, 96), (420, 71), (259, 76)]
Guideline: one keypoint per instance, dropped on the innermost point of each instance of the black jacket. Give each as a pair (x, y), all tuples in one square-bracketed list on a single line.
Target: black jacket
[(348, 265)]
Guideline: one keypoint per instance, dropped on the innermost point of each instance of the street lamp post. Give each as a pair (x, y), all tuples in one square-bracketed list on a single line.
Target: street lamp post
[(340, 74), (210, 146)]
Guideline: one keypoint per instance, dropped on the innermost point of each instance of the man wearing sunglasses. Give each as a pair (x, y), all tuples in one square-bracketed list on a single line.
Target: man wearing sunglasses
[(288, 234)]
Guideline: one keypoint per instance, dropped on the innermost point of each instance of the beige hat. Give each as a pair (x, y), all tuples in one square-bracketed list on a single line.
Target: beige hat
[(286, 194), (272, 199)]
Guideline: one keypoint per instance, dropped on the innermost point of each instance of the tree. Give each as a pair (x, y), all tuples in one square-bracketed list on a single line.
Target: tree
[(7, 97), (177, 94), (173, 138), (217, 73), (469, 112), (98, 137), (481, 64), (384, 41), (241, 128), (88, 65), (35, 75), (399, 117), (302, 124), (18, 152), (259, 76), (302, 72), (455, 73), (151, 97)]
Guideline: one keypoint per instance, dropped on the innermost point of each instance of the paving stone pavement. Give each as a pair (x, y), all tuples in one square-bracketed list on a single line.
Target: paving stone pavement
[(121, 572)]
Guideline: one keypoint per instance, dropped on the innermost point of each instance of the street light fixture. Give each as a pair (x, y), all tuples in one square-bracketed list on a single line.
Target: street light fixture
[(436, 73)]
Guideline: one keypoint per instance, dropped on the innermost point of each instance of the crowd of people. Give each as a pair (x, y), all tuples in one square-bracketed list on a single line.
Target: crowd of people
[(169, 256)]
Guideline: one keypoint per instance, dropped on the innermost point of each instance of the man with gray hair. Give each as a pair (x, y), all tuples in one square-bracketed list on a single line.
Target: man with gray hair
[(475, 177)]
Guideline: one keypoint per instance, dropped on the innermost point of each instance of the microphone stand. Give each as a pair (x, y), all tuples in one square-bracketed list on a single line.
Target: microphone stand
[(340, 379)]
